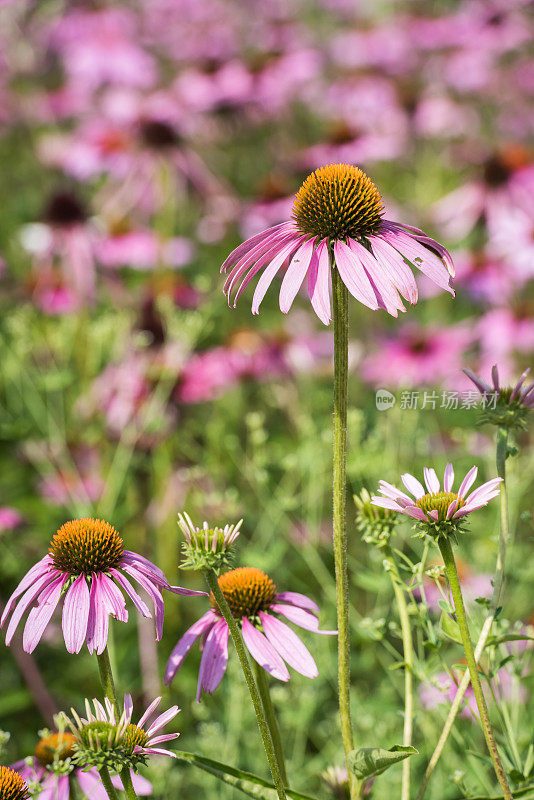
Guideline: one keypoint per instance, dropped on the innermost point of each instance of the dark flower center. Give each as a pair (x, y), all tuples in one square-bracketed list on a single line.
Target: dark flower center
[(440, 502), (86, 546), (12, 787), (58, 745), (65, 209), (158, 134), (247, 591), (336, 202)]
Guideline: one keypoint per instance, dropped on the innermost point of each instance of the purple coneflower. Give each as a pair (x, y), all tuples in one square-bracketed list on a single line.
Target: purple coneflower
[(55, 749), (120, 740), (434, 505), (255, 602), (338, 207), (508, 405), (88, 567)]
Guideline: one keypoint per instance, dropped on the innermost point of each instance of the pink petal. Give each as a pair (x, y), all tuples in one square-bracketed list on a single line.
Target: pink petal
[(141, 785), (354, 276), (288, 644), (398, 272), (186, 642), (421, 257), (40, 616), (387, 502), (448, 478), (98, 622), (43, 566), (258, 256), (319, 283), (468, 481), (91, 785), (431, 480), (153, 592), (387, 294), (263, 652), (26, 600), (151, 708), (113, 598), (162, 720), (299, 600), (295, 274), (391, 491), (270, 273), (413, 485), (246, 246), (76, 614), (482, 387), (214, 658), (137, 600), (415, 512), (300, 617)]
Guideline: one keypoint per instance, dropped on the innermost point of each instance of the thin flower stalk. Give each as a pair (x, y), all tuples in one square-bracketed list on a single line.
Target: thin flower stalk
[(461, 617), (270, 715), (263, 725), (501, 455), (407, 645)]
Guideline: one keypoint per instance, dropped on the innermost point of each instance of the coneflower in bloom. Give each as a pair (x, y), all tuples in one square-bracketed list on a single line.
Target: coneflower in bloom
[(102, 739), (88, 567), (434, 505), (505, 405), (255, 602), (12, 786), (338, 209), (52, 770)]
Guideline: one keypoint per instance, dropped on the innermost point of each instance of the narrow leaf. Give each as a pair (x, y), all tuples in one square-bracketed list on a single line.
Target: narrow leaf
[(246, 782), (449, 627)]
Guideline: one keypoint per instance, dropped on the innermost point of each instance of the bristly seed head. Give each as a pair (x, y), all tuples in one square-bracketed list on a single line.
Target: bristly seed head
[(12, 786), (207, 547), (440, 502), (57, 745), (247, 591), (336, 202), (86, 546)]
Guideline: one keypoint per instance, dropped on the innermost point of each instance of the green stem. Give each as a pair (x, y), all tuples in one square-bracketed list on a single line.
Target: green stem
[(270, 715), (108, 786), (501, 455), (461, 618), (407, 645), (276, 770), (108, 685), (341, 353)]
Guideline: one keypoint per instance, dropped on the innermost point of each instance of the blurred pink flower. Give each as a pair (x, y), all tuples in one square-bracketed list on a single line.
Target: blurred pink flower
[(143, 250), (10, 518), (442, 690), (418, 356)]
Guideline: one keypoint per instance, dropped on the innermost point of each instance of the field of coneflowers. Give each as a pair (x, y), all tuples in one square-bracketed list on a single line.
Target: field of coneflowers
[(354, 387)]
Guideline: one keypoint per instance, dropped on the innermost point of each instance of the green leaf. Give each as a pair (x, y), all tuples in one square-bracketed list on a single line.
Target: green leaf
[(449, 627), (365, 762), (246, 782), (510, 637), (528, 791)]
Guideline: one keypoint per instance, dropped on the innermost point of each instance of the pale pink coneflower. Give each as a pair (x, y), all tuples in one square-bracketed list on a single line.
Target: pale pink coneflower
[(256, 604), (88, 569), (338, 207), (433, 504), (521, 394), (51, 752)]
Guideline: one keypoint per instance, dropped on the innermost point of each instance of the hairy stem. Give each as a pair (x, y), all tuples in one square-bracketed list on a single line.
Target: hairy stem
[(461, 618), (274, 765), (108, 685), (270, 715), (407, 645), (341, 350), (108, 786), (502, 452)]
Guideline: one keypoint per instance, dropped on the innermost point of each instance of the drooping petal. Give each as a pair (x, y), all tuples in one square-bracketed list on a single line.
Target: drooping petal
[(270, 272), (289, 646), (391, 491), (415, 512), (91, 785), (263, 652), (295, 274), (431, 480), (246, 246), (98, 622), (27, 599), (354, 276), (163, 719), (387, 294), (421, 257), (150, 710), (76, 614), (214, 658), (43, 566), (299, 600), (186, 642), (113, 598), (413, 485), (483, 388), (319, 283), (448, 478), (137, 600), (154, 593), (154, 573), (387, 502), (300, 617), (253, 262), (468, 481), (395, 267), (40, 616)]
